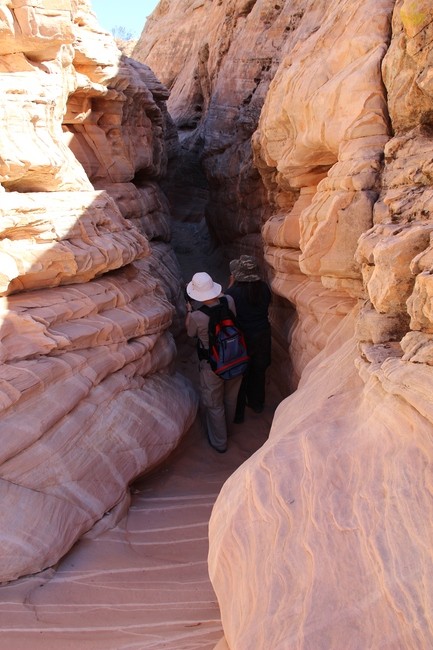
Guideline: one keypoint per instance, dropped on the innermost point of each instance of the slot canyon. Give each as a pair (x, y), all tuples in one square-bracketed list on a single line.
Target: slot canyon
[(297, 131)]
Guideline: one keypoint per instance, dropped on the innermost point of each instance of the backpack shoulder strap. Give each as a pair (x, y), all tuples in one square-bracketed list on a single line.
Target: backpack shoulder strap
[(206, 310), (215, 310), (213, 313), (226, 311), (218, 312)]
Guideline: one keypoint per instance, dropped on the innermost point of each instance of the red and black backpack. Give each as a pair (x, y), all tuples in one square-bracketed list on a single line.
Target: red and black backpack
[(227, 353)]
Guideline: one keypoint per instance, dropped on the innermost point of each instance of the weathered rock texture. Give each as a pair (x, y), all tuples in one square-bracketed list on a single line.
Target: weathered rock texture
[(323, 539), (313, 124), (217, 59), (143, 583), (88, 280), (349, 535)]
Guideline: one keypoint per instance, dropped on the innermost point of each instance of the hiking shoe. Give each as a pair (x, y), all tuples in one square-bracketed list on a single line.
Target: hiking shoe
[(220, 451)]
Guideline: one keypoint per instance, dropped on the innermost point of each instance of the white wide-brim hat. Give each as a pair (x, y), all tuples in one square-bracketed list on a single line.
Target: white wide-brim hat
[(202, 287)]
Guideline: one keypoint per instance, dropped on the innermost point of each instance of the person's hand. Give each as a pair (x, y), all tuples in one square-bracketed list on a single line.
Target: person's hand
[(231, 281)]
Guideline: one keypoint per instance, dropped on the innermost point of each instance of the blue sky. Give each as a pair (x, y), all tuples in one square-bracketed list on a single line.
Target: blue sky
[(130, 14)]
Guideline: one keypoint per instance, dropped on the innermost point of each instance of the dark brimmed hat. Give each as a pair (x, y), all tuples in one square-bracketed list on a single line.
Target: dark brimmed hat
[(245, 269), (233, 266)]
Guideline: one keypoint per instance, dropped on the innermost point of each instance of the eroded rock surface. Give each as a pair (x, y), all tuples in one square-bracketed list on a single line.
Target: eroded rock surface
[(88, 280), (313, 123), (218, 59), (340, 496)]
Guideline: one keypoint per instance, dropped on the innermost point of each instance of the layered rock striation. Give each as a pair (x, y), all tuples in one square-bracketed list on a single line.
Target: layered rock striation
[(323, 538), (217, 59), (348, 465), (312, 122), (89, 285)]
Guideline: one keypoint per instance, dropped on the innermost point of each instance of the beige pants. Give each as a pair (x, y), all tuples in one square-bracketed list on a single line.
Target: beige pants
[(218, 397)]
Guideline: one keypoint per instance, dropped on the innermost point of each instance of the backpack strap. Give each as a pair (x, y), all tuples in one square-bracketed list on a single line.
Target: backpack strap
[(211, 310), (205, 309), (214, 314), (219, 311)]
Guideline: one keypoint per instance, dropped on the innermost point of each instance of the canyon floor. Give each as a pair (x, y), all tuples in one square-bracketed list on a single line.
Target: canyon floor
[(144, 584)]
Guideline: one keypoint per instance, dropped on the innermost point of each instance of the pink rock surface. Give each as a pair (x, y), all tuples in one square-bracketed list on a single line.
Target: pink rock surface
[(143, 583), (338, 496), (322, 539), (87, 309)]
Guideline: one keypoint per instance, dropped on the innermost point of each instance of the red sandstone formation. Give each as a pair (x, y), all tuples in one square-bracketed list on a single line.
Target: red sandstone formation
[(312, 123), (88, 280)]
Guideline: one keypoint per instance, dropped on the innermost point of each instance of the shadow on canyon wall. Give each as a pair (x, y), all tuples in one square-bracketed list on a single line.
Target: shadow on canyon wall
[(139, 576)]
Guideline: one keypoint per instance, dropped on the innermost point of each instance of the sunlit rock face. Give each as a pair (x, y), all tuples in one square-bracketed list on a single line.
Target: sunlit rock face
[(319, 147), (88, 280), (323, 539)]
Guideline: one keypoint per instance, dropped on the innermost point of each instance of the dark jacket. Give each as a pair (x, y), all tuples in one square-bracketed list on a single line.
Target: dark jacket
[(252, 316)]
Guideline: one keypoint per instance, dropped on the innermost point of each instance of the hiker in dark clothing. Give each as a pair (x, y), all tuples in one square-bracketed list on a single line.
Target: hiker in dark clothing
[(252, 298)]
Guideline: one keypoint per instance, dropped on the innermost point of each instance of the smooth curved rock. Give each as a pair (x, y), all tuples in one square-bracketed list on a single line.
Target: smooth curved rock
[(323, 538), (78, 467), (88, 281), (338, 499)]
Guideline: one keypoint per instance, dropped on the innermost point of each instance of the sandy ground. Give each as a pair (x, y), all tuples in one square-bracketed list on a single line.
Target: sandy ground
[(144, 584)]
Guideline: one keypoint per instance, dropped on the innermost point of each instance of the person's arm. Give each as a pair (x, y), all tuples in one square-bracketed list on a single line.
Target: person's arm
[(190, 322), (188, 315), (231, 281)]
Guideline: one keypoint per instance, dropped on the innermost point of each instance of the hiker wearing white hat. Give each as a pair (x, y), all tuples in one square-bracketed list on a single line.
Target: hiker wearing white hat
[(202, 288), (218, 396)]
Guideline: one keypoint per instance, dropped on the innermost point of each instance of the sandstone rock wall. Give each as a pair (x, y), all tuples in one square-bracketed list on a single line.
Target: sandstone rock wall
[(340, 496), (218, 59), (88, 280), (319, 146), (313, 122)]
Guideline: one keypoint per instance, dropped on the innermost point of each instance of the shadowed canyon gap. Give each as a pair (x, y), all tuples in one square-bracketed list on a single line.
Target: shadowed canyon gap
[(300, 131)]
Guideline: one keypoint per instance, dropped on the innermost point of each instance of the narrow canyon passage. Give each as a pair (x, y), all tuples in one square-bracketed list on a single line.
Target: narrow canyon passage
[(299, 132), (143, 584)]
